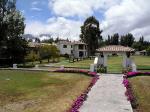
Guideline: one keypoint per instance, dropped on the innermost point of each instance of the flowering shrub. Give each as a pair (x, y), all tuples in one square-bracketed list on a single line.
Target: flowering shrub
[(129, 92), (79, 101)]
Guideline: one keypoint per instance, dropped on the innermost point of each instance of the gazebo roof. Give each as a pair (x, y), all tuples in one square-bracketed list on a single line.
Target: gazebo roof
[(115, 48)]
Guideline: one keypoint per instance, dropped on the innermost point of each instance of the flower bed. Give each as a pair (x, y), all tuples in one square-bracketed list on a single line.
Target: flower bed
[(79, 101), (129, 91)]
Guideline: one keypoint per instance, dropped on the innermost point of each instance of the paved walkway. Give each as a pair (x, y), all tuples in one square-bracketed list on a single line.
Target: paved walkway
[(107, 96)]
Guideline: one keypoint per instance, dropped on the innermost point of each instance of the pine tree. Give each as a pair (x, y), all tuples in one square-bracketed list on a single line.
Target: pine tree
[(91, 34)]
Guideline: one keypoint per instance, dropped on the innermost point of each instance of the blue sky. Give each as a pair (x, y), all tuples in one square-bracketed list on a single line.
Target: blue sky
[(64, 17)]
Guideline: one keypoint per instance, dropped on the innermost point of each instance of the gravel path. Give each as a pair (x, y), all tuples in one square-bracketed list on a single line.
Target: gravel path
[(107, 96)]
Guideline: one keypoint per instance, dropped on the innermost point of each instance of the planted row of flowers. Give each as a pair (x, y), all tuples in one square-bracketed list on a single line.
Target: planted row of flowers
[(129, 90), (79, 101)]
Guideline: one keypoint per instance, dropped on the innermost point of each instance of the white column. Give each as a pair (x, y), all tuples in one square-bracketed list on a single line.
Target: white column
[(105, 60), (124, 60)]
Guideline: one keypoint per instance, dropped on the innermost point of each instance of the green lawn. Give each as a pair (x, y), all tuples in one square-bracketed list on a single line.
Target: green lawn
[(81, 64), (142, 61), (115, 63), (141, 89), (26, 91)]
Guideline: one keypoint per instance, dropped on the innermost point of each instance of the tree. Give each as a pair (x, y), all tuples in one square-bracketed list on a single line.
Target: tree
[(148, 51), (114, 39), (54, 52), (32, 56), (127, 40), (91, 34), (136, 46), (37, 40), (45, 52), (12, 27), (50, 40)]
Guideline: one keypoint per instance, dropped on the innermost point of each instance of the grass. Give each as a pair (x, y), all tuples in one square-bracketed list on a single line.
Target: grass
[(114, 64), (141, 89), (142, 62), (81, 64), (26, 91)]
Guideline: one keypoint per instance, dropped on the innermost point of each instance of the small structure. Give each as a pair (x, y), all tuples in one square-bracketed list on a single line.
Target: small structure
[(143, 52), (14, 66), (111, 49)]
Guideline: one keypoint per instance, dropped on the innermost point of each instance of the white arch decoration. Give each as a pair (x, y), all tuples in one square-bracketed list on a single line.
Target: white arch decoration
[(105, 51)]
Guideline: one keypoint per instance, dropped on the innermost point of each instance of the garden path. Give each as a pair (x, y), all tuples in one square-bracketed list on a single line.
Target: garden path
[(108, 95)]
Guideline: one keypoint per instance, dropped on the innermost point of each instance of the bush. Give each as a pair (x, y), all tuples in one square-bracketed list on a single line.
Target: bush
[(102, 69), (126, 70)]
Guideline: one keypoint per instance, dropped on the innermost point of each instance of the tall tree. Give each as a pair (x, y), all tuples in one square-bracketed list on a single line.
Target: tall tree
[(91, 34), (127, 40), (12, 28), (115, 39)]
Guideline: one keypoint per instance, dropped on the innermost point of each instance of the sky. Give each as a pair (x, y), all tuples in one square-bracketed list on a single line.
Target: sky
[(64, 18)]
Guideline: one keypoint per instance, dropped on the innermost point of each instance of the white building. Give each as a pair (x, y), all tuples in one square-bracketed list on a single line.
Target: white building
[(76, 49), (65, 47)]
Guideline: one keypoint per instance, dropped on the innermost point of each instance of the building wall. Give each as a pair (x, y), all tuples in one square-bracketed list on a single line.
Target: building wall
[(76, 51), (64, 50)]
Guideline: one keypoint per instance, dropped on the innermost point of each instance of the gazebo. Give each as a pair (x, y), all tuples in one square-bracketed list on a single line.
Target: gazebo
[(103, 52)]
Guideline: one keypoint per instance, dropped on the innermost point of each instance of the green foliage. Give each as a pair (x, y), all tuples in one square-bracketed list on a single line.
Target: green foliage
[(32, 56), (127, 40), (137, 46), (148, 50), (114, 39), (54, 52), (102, 69), (91, 34), (12, 45), (141, 44), (45, 52), (125, 70)]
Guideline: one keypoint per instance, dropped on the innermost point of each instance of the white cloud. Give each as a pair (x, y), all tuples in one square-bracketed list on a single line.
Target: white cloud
[(36, 9), (128, 16), (60, 26), (34, 3), (34, 6), (120, 16), (80, 8)]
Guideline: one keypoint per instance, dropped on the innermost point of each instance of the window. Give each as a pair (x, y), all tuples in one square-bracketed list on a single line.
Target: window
[(80, 46), (64, 46), (71, 46)]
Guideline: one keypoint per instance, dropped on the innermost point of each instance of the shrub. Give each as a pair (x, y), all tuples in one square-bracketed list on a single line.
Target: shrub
[(101, 69)]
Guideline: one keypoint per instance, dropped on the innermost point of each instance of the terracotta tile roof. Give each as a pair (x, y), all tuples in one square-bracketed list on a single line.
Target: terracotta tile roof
[(115, 48)]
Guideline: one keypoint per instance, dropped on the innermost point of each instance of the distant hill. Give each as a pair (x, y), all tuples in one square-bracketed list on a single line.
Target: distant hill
[(41, 36)]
